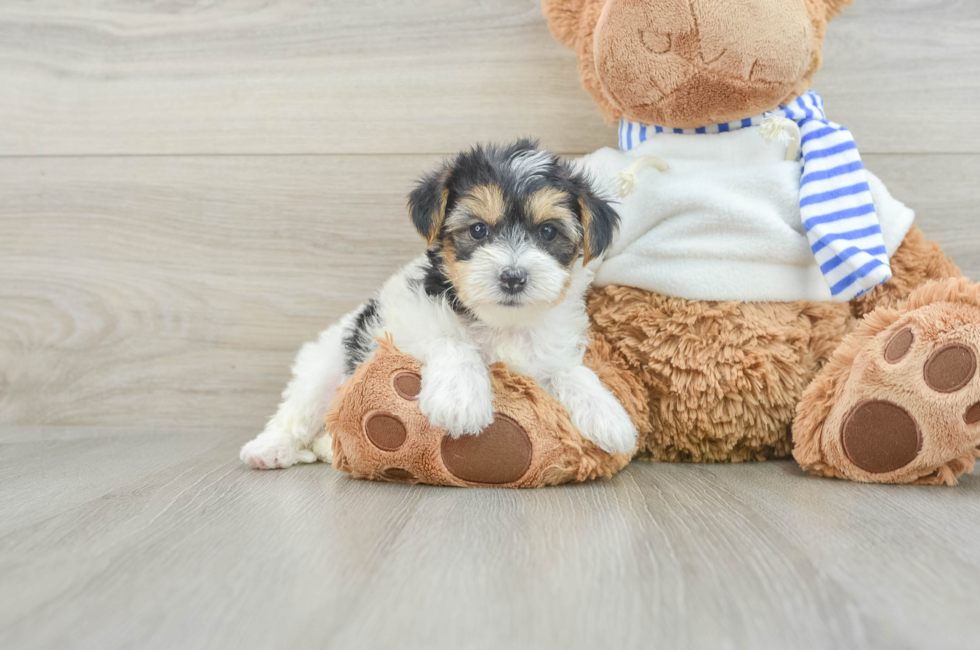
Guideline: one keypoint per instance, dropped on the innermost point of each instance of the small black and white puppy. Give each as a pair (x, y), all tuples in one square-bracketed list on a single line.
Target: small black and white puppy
[(509, 232)]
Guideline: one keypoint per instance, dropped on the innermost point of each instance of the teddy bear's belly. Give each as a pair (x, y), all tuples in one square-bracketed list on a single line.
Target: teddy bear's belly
[(722, 379)]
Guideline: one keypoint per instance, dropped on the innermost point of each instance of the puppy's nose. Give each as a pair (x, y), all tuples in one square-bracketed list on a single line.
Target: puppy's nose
[(513, 280)]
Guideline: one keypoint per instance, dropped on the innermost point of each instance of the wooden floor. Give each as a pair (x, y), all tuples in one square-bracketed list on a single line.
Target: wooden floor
[(160, 539), (189, 190)]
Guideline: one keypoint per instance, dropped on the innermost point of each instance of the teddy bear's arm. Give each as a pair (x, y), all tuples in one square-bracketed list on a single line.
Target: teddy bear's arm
[(917, 261)]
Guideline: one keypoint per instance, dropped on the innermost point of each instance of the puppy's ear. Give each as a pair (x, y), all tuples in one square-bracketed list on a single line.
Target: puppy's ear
[(427, 203), (599, 219), (599, 223)]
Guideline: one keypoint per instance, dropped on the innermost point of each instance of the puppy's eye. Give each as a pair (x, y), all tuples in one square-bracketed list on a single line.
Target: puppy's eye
[(479, 230), (548, 232)]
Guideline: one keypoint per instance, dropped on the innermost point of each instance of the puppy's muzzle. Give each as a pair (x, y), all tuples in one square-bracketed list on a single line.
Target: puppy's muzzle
[(513, 280)]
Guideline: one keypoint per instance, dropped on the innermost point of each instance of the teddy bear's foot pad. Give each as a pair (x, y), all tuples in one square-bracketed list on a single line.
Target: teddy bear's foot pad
[(902, 399), (500, 454), (881, 437)]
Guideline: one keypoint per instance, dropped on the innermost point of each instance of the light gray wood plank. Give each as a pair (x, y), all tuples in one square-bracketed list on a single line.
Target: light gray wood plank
[(286, 77), (189, 278), (411, 77), (204, 553), (903, 74), (945, 194), (46, 475), (167, 289)]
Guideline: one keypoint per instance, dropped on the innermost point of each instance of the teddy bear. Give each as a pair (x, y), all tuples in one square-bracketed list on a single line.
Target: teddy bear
[(766, 295)]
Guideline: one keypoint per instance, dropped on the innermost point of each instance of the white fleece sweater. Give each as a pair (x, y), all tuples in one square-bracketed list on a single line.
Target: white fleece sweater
[(722, 223)]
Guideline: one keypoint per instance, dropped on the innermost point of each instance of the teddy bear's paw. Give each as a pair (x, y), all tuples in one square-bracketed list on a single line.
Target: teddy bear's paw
[(409, 450), (908, 409), (380, 431)]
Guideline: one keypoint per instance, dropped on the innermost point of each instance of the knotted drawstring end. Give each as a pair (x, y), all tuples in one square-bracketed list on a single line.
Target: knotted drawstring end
[(776, 127), (627, 180)]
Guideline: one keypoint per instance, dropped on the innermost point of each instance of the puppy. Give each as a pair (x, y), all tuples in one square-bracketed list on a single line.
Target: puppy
[(509, 232)]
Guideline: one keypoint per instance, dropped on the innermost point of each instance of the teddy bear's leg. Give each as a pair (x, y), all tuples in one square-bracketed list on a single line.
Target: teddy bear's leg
[(380, 433), (721, 380), (899, 401)]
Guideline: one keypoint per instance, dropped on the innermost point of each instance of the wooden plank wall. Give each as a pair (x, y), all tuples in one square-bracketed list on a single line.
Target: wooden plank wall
[(190, 190)]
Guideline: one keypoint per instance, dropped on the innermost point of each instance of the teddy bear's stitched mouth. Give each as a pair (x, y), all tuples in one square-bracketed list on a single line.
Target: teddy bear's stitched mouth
[(659, 43), (666, 98)]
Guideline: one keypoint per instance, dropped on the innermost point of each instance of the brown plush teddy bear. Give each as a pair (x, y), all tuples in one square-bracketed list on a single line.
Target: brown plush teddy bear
[(766, 294)]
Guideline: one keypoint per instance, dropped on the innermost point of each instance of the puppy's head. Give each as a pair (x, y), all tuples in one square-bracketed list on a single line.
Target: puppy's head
[(507, 225)]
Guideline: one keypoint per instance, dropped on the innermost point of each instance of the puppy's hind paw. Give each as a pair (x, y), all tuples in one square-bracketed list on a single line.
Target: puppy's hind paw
[(271, 451)]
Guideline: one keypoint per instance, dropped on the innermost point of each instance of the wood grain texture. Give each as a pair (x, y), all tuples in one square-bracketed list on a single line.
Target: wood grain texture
[(185, 279), (169, 289), (189, 190), (252, 76), (161, 539)]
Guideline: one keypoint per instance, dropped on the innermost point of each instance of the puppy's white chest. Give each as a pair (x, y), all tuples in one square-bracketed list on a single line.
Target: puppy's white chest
[(513, 348), (514, 356)]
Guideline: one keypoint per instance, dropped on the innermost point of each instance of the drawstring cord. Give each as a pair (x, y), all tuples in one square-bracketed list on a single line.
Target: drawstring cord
[(627, 180), (783, 129), (773, 128)]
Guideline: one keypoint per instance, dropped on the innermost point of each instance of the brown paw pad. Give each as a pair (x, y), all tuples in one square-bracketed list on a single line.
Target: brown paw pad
[(385, 431), (899, 346), (408, 385), (950, 368), (880, 437), (500, 454), (398, 474), (972, 415)]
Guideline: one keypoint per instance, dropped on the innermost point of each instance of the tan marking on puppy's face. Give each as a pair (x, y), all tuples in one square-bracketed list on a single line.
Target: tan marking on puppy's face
[(453, 268), (549, 204), (551, 207), (484, 203), (564, 290)]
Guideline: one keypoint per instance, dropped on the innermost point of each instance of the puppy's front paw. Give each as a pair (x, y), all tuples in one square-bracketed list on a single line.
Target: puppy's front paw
[(461, 402), (604, 421), (274, 450)]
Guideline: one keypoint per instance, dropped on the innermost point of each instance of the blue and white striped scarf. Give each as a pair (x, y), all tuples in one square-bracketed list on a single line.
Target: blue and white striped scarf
[(835, 201)]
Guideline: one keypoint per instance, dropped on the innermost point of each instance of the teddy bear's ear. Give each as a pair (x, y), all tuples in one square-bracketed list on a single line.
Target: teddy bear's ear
[(564, 17), (834, 7), (427, 203)]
